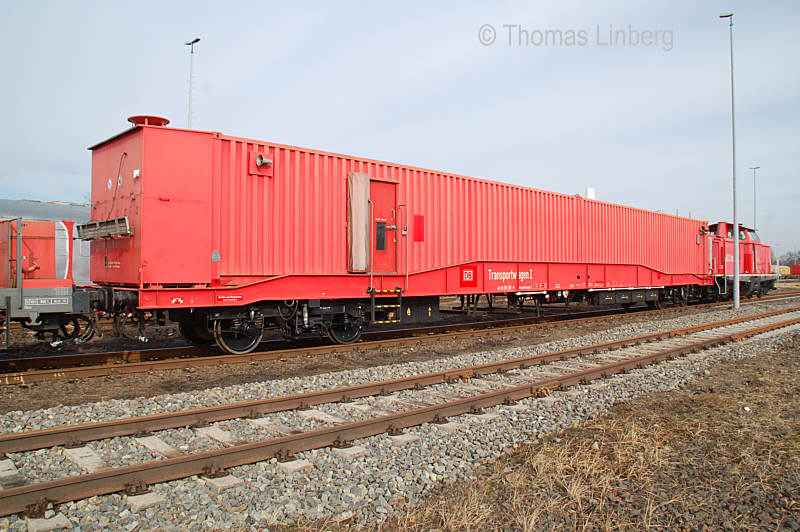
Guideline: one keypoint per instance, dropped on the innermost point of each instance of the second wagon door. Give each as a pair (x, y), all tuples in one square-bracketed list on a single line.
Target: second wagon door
[(384, 226)]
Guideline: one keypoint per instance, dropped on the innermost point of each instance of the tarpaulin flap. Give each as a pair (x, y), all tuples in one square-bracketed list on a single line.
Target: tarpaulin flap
[(358, 222)]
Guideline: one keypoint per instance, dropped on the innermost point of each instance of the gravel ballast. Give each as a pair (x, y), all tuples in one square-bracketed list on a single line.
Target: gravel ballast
[(18, 420), (371, 486)]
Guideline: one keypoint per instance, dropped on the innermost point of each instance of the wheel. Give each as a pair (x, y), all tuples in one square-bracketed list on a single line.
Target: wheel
[(344, 333), (196, 334), (238, 336), (68, 330)]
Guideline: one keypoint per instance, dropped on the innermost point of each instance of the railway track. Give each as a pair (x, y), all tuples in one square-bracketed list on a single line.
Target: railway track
[(22, 371), (395, 405)]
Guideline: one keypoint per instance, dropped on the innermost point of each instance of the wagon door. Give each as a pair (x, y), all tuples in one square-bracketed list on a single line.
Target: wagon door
[(384, 226)]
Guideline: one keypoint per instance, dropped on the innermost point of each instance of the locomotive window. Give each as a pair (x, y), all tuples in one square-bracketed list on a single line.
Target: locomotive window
[(380, 236), (741, 235), (754, 237)]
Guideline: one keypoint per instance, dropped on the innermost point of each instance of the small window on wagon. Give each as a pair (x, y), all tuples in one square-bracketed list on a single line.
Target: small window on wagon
[(380, 236), (742, 234), (730, 232)]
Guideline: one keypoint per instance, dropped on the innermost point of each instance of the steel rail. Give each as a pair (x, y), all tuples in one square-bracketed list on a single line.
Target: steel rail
[(74, 435), (130, 478), (425, 334), (63, 360), (66, 360)]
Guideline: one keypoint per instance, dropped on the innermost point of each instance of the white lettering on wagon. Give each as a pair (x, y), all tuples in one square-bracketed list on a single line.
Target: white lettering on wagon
[(230, 297), (41, 301), (510, 275), (177, 301), (502, 276)]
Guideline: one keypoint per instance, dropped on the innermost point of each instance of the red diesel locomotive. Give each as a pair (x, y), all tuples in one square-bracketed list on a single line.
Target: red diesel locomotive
[(228, 236)]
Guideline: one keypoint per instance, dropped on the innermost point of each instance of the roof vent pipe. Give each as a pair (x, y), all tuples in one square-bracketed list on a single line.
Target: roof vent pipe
[(590, 193), (147, 120)]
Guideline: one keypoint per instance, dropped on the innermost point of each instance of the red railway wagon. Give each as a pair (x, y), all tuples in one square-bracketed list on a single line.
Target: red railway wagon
[(39, 249), (230, 235), (36, 279)]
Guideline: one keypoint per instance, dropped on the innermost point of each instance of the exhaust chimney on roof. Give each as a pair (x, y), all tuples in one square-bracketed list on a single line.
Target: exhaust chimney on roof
[(146, 120), (590, 193)]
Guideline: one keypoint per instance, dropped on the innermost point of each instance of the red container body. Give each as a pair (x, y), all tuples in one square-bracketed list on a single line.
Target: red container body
[(211, 227), (796, 269), (46, 250)]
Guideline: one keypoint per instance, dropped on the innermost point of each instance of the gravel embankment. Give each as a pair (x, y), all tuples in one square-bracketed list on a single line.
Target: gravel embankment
[(157, 383), (19, 420), (371, 486)]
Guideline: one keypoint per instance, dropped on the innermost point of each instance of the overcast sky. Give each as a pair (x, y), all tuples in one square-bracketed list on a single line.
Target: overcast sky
[(411, 82)]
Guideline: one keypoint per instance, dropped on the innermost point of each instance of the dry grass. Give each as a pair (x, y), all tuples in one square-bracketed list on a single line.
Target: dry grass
[(676, 461), (688, 460), (571, 482)]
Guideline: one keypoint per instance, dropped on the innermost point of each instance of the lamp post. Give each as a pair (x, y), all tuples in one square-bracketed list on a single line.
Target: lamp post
[(754, 168), (190, 44), (729, 16)]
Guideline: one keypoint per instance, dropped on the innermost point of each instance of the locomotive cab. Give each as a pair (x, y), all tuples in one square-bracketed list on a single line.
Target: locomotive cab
[(755, 276)]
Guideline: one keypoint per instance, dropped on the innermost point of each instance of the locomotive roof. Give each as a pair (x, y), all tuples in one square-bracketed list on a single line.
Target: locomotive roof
[(713, 227)]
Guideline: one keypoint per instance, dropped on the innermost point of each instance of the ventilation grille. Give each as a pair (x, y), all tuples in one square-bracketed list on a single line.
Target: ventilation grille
[(114, 228)]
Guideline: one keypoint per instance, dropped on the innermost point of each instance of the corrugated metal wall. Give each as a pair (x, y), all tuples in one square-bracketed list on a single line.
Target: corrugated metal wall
[(294, 221)]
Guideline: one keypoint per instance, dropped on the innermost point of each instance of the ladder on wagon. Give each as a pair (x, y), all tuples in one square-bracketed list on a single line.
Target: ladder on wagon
[(386, 307)]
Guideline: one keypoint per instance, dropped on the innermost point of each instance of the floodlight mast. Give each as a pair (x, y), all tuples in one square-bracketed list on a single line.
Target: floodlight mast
[(754, 168), (190, 44), (736, 242)]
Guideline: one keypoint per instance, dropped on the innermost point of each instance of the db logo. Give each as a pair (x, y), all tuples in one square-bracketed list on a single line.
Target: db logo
[(468, 276)]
